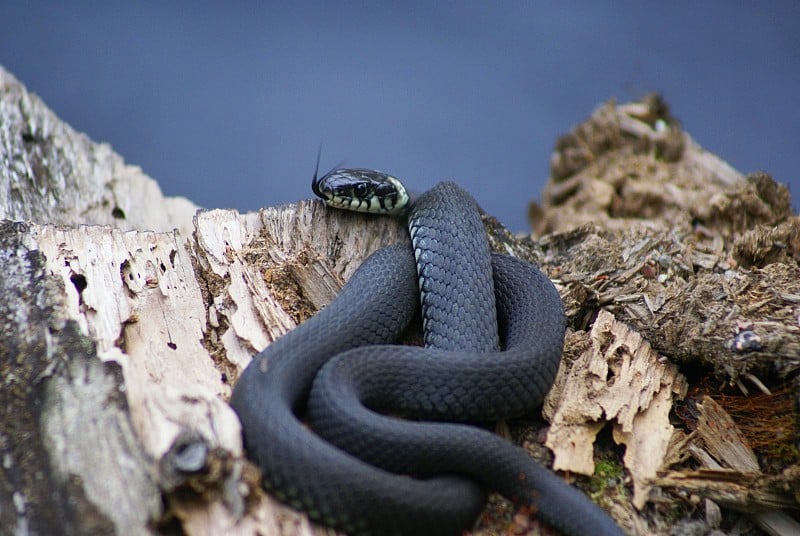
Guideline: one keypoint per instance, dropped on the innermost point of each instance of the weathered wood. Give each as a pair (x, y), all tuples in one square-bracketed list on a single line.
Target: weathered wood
[(730, 473), (52, 174), (120, 344), (72, 460), (137, 296), (629, 165), (617, 379)]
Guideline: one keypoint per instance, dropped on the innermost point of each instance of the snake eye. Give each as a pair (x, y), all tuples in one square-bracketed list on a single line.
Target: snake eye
[(360, 190)]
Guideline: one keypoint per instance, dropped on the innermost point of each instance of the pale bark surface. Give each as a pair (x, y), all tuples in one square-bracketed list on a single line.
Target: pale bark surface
[(52, 174), (121, 339)]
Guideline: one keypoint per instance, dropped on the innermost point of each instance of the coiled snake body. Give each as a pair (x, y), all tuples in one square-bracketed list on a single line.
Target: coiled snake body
[(358, 486)]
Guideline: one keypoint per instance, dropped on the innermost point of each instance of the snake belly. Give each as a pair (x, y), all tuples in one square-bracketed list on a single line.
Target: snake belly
[(358, 485)]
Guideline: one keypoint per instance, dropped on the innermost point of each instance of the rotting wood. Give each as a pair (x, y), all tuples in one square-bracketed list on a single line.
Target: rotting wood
[(632, 164), (141, 334), (730, 474), (617, 379), (71, 456), (715, 317)]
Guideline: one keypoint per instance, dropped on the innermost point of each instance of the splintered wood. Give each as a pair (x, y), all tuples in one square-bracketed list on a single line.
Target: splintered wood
[(136, 295), (271, 270), (618, 378), (182, 317), (123, 343), (729, 472)]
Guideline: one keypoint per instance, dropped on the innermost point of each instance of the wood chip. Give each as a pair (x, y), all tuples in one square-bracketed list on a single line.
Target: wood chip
[(618, 379)]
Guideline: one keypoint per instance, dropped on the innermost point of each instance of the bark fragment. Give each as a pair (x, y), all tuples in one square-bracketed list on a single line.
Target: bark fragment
[(617, 379)]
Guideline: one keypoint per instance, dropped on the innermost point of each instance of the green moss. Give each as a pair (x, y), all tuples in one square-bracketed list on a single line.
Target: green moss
[(608, 468), (608, 480)]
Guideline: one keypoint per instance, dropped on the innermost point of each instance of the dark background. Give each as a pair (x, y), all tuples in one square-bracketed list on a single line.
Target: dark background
[(227, 103)]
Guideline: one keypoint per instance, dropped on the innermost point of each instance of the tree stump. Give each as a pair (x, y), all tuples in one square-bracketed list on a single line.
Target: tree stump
[(128, 316)]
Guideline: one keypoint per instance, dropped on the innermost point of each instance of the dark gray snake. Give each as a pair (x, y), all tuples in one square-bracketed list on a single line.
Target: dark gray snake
[(395, 476)]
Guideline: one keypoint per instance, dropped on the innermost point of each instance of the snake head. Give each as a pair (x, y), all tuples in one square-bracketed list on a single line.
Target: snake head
[(361, 190)]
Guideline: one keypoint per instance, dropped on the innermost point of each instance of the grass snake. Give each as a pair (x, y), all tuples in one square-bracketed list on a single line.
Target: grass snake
[(363, 470)]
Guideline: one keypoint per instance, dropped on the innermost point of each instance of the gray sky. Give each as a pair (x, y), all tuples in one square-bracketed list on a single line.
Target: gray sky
[(226, 103)]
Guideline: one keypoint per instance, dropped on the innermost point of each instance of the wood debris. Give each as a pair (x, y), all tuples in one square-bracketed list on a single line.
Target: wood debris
[(120, 344), (729, 473), (621, 380)]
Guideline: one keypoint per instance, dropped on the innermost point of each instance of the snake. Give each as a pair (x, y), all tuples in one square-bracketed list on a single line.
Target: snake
[(372, 437)]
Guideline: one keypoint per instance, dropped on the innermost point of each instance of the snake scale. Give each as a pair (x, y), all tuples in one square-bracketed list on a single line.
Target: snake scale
[(362, 469)]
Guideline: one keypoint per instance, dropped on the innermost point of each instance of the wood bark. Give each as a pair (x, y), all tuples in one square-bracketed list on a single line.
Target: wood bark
[(127, 318)]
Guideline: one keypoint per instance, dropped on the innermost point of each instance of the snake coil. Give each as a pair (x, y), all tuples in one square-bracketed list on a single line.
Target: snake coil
[(348, 472)]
